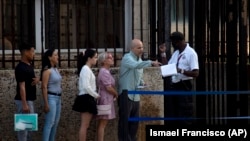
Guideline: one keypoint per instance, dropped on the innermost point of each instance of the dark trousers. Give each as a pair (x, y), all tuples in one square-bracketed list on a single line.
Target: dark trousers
[(133, 111), (180, 106)]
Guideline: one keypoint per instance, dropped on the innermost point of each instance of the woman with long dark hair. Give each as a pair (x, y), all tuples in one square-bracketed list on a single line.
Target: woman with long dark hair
[(85, 102), (51, 90)]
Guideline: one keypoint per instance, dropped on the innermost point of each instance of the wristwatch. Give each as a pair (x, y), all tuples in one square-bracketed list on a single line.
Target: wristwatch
[(182, 71)]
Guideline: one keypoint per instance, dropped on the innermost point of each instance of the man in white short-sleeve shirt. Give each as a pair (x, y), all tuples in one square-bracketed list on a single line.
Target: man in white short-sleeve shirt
[(186, 60)]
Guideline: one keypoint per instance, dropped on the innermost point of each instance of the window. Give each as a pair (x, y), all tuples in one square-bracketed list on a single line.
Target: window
[(79, 24), (91, 23), (17, 23)]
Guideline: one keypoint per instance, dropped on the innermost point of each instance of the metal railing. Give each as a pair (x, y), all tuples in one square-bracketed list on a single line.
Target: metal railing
[(202, 120)]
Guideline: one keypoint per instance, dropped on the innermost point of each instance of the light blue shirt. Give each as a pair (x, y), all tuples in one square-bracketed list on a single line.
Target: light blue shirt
[(131, 73), (54, 82)]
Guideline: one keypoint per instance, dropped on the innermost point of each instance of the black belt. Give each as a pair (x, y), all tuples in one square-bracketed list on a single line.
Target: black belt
[(57, 94)]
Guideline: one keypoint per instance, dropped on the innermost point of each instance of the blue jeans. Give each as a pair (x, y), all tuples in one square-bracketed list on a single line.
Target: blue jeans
[(52, 118), (24, 135)]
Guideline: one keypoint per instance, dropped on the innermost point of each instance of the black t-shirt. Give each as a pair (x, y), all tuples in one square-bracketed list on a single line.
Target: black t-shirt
[(25, 73)]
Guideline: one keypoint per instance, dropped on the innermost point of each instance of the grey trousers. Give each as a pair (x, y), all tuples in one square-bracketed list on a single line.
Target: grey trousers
[(24, 135), (133, 111)]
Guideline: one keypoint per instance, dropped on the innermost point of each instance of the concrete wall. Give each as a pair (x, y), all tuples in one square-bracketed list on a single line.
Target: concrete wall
[(70, 120)]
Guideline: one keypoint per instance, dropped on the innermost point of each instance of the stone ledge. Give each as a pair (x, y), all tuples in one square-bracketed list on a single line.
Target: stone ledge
[(151, 105)]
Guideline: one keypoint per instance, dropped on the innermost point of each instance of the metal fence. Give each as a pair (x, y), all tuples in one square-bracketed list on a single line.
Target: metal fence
[(219, 32), (67, 25)]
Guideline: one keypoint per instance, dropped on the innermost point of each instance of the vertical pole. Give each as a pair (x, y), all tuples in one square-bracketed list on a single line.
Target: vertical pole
[(52, 24), (232, 57), (152, 17), (243, 83), (167, 30), (200, 40), (3, 22), (124, 109)]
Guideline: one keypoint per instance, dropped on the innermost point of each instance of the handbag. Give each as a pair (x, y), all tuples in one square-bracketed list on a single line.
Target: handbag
[(103, 109), (26, 122)]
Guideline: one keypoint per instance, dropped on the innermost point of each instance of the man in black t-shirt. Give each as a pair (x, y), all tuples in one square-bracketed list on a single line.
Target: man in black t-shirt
[(26, 85)]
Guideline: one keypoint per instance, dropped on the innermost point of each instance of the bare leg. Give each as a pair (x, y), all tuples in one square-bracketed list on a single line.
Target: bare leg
[(101, 129), (85, 120)]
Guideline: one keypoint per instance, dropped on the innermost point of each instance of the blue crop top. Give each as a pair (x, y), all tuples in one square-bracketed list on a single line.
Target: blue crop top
[(54, 83)]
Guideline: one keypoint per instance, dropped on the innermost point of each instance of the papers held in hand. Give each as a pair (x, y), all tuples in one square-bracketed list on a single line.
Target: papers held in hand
[(168, 70)]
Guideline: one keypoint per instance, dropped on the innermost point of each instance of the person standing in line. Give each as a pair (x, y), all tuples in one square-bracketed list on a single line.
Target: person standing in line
[(51, 90), (130, 77), (26, 85), (186, 60), (85, 102), (107, 91)]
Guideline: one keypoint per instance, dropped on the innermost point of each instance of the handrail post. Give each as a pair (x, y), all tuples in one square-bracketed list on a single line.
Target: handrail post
[(124, 108)]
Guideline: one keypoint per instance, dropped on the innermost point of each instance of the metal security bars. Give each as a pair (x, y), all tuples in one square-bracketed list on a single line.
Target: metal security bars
[(16, 25), (219, 32), (67, 25)]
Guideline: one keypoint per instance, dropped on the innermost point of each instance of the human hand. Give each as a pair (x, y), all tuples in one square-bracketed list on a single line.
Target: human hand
[(162, 48), (25, 108), (180, 70), (115, 96), (35, 81), (97, 97), (156, 63), (46, 108)]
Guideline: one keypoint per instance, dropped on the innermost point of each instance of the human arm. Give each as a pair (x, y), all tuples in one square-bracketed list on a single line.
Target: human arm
[(112, 91), (88, 82), (193, 65), (35, 81), (162, 57), (106, 79), (192, 73), (45, 79), (25, 107), (134, 63), (22, 81)]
